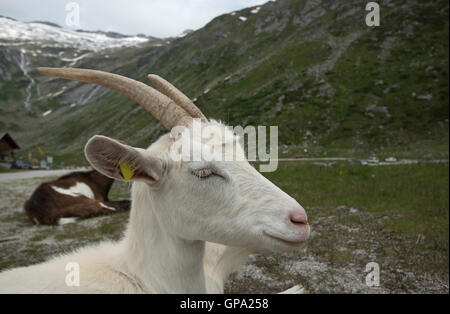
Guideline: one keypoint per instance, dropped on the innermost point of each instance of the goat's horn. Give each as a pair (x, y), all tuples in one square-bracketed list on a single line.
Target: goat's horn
[(176, 95), (160, 106)]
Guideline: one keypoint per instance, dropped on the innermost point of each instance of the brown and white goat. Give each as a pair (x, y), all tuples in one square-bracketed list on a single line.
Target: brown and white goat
[(77, 194)]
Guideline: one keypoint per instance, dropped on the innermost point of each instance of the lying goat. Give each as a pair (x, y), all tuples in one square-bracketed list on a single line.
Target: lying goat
[(177, 206), (75, 195)]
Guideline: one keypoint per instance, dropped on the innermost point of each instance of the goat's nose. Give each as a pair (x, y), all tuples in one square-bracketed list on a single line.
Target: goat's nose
[(298, 217)]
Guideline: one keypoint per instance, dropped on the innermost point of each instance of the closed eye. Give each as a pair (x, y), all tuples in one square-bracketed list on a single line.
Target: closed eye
[(204, 173)]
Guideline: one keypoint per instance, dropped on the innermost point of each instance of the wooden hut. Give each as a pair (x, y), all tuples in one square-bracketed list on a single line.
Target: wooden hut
[(7, 146)]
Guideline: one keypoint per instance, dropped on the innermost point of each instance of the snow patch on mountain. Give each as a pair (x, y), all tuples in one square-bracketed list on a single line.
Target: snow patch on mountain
[(47, 113), (22, 32), (186, 32), (73, 61)]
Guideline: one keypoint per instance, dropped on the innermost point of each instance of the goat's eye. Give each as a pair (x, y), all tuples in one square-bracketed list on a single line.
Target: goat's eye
[(202, 173)]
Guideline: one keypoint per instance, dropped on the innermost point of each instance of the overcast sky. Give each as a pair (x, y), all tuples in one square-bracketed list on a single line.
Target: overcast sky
[(160, 18)]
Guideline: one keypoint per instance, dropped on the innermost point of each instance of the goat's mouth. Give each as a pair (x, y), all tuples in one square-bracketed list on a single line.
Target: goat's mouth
[(291, 243)]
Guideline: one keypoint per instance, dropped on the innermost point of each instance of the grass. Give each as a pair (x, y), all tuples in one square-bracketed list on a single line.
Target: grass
[(412, 190), (414, 198)]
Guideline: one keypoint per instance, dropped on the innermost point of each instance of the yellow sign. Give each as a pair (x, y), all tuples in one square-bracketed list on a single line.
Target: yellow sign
[(41, 152)]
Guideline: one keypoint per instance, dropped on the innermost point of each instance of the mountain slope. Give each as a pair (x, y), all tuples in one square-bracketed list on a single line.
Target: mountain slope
[(311, 67)]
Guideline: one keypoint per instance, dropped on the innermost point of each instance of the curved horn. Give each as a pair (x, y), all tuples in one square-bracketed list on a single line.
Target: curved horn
[(160, 106), (180, 99)]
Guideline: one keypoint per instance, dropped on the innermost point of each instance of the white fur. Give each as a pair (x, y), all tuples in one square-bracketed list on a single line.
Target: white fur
[(79, 189), (65, 221), (185, 234), (298, 289)]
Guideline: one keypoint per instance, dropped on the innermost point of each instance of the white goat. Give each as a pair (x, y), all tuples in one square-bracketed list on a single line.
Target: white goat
[(176, 207)]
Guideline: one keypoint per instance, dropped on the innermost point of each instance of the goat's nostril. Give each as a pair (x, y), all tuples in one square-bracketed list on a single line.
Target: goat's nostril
[(299, 222), (298, 218)]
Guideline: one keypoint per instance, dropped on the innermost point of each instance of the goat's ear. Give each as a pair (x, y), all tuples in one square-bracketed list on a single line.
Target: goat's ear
[(122, 162)]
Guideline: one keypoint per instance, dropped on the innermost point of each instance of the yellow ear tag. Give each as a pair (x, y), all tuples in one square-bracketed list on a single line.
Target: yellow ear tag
[(127, 170)]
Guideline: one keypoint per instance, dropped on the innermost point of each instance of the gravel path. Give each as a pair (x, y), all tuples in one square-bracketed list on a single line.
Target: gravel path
[(35, 174)]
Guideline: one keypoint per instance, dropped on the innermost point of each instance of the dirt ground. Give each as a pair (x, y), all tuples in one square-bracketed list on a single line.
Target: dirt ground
[(343, 241)]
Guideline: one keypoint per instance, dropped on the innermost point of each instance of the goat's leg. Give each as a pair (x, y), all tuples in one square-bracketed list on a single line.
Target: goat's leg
[(53, 214), (219, 262), (85, 209), (120, 206)]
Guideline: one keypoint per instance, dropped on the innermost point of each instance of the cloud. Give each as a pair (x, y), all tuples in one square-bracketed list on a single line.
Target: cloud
[(160, 18)]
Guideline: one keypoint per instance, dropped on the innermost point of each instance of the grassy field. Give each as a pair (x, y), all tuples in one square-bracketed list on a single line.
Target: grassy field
[(415, 197), (403, 208), (396, 216)]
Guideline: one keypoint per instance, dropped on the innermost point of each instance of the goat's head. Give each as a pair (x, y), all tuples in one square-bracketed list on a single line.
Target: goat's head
[(227, 202)]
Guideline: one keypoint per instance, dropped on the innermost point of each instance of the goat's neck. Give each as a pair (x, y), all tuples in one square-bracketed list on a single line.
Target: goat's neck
[(160, 261)]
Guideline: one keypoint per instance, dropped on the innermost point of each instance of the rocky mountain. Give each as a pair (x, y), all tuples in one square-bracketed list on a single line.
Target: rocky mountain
[(312, 67)]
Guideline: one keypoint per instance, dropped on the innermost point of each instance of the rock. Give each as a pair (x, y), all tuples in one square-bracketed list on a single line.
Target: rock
[(425, 97), (314, 234), (391, 159), (360, 252), (353, 210), (373, 108)]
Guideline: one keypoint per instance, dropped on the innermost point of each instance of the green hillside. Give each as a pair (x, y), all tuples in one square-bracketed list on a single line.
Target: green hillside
[(330, 83)]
